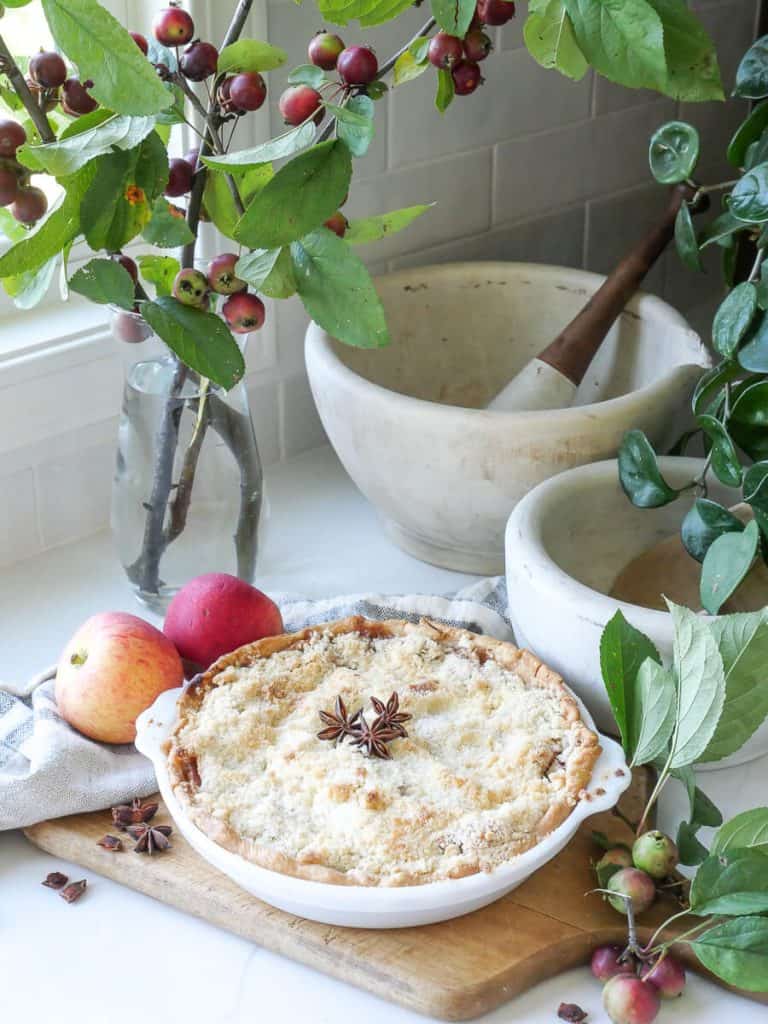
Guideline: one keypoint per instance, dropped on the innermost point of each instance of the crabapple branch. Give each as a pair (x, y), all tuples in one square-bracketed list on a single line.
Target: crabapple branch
[(10, 68)]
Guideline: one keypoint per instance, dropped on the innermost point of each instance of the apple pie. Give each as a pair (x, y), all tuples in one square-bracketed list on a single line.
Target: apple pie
[(379, 753)]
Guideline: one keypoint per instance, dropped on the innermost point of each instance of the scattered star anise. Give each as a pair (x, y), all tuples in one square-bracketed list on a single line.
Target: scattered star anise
[(372, 739), (111, 843), (134, 813), (571, 1012), (55, 880), (338, 722), (149, 838), (390, 716), (73, 891)]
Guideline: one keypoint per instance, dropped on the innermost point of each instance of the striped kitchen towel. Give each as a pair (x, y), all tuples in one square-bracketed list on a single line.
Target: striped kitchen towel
[(47, 769)]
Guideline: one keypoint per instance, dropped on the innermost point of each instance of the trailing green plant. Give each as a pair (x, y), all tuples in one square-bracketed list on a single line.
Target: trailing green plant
[(699, 709), (730, 403)]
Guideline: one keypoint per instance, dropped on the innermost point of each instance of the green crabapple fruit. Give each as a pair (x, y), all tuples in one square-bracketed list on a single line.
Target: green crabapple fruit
[(173, 27), (628, 1000), (619, 856), (221, 274), (667, 975), (655, 854), (324, 49), (243, 312), (190, 287), (606, 963), (635, 884)]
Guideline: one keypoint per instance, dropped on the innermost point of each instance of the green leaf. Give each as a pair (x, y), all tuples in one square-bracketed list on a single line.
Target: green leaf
[(622, 39), (733, 318), (704, 813), (748, 830), (72, 153), (307, 74), (700, 686), (690, 850), (753, 355), (727, 562), (407, 68), (747, 133), (623, 649), (255, 267), (368, 12), (337, 290), (685, 239), (382, 225), (710, 386), (29, 288), (445, 90), (725, 462), (123, 79), (377, 89), (749, 198), (301, 196), (706, 521), (654, 712), (736, 950), (639, 474), (720, 231), (281, 146), (743, 644), (752, 73), (201, 340), (105, 282), (52, 235), (453, 16), (751, 406), (549, 36), (86, 122), (354, 123), (166, 229), (731, 882), (160, 271), (281, 283), (673, 152), (219, 201), (250, 55), (692, 70), (117, 206), (756, 486)]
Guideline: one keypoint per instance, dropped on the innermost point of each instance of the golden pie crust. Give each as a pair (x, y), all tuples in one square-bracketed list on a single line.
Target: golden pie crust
[(496, 756)]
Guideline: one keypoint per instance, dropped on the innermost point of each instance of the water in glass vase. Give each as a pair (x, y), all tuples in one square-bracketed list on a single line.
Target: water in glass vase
[(188, 488)]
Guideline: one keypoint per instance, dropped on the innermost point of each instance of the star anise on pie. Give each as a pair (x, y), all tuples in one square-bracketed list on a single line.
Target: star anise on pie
[(134, 813), (373, 739), (150, 838), (338, 722), (390, 716)]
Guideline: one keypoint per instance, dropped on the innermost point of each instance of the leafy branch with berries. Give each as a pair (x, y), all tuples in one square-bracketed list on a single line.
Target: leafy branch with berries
[(701, 708)]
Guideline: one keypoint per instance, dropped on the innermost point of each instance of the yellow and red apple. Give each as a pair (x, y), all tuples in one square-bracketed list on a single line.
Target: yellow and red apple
[(111, 670)]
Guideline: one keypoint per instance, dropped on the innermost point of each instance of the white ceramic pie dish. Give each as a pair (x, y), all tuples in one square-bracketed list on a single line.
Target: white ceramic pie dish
[(370, 906)]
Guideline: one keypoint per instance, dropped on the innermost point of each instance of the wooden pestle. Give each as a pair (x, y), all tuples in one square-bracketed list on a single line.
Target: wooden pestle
[(550, 380)]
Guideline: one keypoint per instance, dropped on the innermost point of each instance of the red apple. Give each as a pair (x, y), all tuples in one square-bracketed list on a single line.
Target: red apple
[(215, 614), (111, 670)]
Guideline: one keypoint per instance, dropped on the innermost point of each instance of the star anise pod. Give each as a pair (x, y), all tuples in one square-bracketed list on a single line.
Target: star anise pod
[(571, 1012), (55, 880), (390, 716), (372, 739), (338, 722), (150, 838), (111, 843), (134, 813), (73, 891)]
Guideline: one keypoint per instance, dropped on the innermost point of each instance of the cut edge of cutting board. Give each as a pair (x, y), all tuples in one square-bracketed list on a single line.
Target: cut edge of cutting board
[(454, 970)]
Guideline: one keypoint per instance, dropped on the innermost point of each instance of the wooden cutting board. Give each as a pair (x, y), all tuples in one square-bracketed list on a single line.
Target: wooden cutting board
[(456, 970)]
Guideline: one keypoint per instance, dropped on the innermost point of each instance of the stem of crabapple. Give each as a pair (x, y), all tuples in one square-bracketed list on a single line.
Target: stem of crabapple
[(9, 67)]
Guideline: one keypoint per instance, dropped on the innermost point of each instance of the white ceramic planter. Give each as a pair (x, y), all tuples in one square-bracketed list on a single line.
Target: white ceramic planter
[(566, 543), (408, 420)]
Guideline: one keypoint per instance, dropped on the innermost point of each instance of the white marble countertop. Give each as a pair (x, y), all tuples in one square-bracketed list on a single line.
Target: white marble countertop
[(119, 956)]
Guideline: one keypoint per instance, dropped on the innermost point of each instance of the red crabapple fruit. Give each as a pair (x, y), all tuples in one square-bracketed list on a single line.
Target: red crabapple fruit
[(243, 312), (30, 205), (48, 69), (324, 49), (173, 27), (221, 274), (180, 176), (635, 884), (628, 1000), (247, 91), (298, 103), (357, 65)]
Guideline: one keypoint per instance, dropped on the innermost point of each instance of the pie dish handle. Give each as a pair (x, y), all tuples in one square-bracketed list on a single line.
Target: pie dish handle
[(153, 726), (611, 776)]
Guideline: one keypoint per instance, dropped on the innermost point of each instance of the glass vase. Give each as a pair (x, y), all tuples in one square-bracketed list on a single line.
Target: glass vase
[(187, 495)]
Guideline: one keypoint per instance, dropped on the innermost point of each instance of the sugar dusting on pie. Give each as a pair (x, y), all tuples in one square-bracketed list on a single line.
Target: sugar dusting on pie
[(496, 754)]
